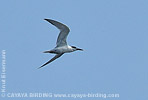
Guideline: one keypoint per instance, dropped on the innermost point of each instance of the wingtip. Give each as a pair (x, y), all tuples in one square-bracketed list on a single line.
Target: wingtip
[(39, 67), (47, 19)]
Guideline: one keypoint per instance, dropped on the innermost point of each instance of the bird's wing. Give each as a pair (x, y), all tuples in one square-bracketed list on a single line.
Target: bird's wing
[(55, 57), (64, 30)]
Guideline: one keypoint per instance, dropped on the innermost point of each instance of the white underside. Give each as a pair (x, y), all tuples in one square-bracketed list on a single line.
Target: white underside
[(64, 49)]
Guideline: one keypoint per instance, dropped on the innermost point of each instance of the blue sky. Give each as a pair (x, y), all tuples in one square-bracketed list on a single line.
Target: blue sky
[(113, 34)]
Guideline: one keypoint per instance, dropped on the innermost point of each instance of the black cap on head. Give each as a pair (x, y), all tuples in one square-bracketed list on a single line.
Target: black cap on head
[(73, 47), (76, 48)]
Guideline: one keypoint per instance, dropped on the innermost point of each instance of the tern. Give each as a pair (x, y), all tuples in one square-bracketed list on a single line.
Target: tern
[(61, 44)]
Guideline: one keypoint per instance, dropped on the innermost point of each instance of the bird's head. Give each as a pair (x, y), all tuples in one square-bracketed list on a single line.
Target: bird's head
[(75, 48)]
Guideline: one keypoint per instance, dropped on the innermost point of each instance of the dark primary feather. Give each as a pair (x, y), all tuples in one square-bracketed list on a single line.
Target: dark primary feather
[(55, 57)]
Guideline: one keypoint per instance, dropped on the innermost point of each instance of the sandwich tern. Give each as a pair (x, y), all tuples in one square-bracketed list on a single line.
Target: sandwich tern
[(61, 44)]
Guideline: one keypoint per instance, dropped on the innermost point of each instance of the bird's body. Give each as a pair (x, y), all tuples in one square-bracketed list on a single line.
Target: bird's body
[(61, 49), (62, 46)]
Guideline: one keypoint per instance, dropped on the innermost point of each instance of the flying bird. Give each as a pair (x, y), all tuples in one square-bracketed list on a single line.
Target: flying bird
[(61, 44)]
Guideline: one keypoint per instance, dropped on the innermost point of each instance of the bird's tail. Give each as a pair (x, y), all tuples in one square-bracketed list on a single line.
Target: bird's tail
[(46, 52), (49, 52)]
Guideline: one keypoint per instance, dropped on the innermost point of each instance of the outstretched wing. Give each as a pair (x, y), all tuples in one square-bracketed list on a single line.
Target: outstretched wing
[(55, 57), (64, 30)]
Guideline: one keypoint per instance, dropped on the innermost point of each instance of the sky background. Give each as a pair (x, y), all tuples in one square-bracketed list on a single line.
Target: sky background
[(113, 34)]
